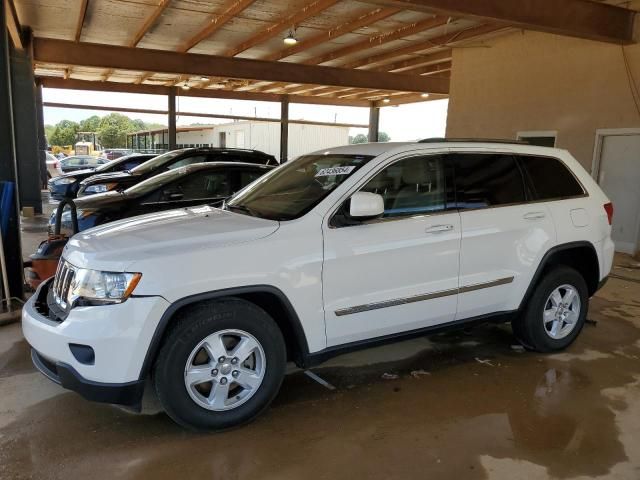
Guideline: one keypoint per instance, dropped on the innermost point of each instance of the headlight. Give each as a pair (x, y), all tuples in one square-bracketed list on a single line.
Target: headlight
[(100, 188), (65, 180), (93, 287)]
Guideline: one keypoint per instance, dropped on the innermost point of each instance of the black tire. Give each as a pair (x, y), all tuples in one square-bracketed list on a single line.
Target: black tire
[(528, 327), (194, 324)]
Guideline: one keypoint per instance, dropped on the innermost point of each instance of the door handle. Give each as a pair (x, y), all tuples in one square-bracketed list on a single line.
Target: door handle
[(439, 228), (534, 215)]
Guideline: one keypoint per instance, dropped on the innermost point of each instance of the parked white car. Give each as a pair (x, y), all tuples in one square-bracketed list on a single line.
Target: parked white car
[(53, 166), (337, 250)]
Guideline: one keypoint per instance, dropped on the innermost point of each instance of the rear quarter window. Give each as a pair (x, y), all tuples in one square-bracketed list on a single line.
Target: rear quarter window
[(549, 178)]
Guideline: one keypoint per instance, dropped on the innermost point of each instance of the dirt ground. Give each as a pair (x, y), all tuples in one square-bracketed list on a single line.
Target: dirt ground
[(464, 405)]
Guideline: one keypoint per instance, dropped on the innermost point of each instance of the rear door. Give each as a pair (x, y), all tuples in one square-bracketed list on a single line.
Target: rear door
[(200, 187), (504, 235)]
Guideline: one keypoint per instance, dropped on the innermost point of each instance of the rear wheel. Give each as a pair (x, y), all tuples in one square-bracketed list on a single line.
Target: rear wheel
[(220, 366), (555, 313)]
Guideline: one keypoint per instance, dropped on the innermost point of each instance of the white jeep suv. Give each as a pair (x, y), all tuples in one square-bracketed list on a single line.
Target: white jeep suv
[(336, 250)]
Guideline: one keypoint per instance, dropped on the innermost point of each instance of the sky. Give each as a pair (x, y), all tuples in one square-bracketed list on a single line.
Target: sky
[(402, 123)]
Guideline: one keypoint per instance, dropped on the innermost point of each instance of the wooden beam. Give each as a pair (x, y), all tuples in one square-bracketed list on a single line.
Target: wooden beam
[(309, 10), (380, 39), (78, 106), (574, 18), (447, 40), (150, 22), (63, 52), (436, 69), (364, 20), (81, 16), (408, 98), (13, 24), (73, 84), (215, 22)]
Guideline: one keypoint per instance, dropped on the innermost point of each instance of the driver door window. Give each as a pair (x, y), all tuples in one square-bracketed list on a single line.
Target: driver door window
[(199, 186), (412, 186)]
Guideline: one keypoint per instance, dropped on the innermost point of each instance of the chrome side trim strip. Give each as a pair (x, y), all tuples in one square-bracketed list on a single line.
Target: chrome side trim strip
[(422, 297)]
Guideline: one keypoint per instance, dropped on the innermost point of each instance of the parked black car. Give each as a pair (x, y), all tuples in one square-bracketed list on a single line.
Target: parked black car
[(67, 185), (81, 162), (168, 161), (197, 184)]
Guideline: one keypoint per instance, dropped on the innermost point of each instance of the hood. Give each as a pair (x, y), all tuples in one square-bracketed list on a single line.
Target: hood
[(78, 174), (108, 177), (117, 245), (100, 200)]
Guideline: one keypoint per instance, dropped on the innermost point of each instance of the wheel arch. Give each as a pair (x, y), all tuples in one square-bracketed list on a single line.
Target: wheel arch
[(579, 255), (267, 297)]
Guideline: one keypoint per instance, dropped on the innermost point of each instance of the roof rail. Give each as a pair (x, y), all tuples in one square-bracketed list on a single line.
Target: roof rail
[(472, 140)]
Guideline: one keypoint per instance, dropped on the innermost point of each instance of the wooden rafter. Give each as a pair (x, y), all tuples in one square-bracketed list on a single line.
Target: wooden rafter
[(446, 40), (417, 61), (291, 21), (215, 22), (436, 69), (13, 24), (363, 20), (576, 18), (149, 22), (63, 52), (81, 16), (380, 39)]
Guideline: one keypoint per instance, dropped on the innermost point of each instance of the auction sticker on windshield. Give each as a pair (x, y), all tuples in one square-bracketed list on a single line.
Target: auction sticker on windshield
[(325, 172)]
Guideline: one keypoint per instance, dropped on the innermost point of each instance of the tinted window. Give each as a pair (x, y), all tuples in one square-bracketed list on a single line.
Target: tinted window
[(183, 162), (486, 180), (549, 178), (411, 186), (246, 177), (202, 185)]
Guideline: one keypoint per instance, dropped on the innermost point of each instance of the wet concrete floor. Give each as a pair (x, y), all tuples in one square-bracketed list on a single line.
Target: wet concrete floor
[(464, 405)]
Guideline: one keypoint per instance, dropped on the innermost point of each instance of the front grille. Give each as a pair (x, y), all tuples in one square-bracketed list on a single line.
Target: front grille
[(62, 283)]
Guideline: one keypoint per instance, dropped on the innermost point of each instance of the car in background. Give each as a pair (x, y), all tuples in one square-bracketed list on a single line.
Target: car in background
[(53, 166), (113, 153), (81, 162), (67, 185), (120, 181), (197, 184)]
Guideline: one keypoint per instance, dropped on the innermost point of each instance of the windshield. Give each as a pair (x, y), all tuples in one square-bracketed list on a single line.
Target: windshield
[(156, 162), (154, 182), (113, 163), (295, 188)]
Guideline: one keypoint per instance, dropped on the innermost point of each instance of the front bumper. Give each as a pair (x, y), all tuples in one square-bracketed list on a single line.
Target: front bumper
[(117, 335), (129, 394)]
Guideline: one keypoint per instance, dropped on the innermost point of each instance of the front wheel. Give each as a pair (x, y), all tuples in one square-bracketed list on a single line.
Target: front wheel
[(220, 366), (555, 313)]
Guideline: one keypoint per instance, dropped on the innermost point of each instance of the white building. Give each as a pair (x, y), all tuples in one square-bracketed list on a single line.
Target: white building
[(257, 135)]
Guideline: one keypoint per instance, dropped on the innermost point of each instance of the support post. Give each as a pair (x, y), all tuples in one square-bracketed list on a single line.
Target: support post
[(172, 118), (42, 138), (12, 251), (25, 122), (374, 122), (284, 129)]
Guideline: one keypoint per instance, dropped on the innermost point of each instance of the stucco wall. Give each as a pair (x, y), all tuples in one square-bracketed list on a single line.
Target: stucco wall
[(534, 81)]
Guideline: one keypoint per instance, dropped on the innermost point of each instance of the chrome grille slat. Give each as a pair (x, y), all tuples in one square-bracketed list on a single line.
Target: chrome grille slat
[(62, 283)]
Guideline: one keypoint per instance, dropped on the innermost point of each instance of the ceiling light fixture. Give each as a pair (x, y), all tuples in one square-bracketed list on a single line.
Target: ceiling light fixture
[(204, 79), (186, 86), (425, 95), (290, 39), (386, 100)]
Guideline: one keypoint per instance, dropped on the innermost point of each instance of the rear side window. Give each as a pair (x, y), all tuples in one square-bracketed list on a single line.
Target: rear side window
[(549, 178), (487, 180)]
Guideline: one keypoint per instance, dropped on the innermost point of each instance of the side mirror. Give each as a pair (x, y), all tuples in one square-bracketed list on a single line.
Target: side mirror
[(366, 206)]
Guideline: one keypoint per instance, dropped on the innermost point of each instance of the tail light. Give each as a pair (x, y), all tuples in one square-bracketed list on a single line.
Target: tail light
[(608, 207)]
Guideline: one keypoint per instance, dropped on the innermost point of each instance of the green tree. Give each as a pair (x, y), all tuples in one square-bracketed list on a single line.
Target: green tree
[(362, 138), (64, 133), (48, 132), (90, 124), (113, 130)]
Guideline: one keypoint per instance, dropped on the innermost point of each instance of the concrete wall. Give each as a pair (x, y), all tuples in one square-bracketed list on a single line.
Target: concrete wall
[(534, 81)]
